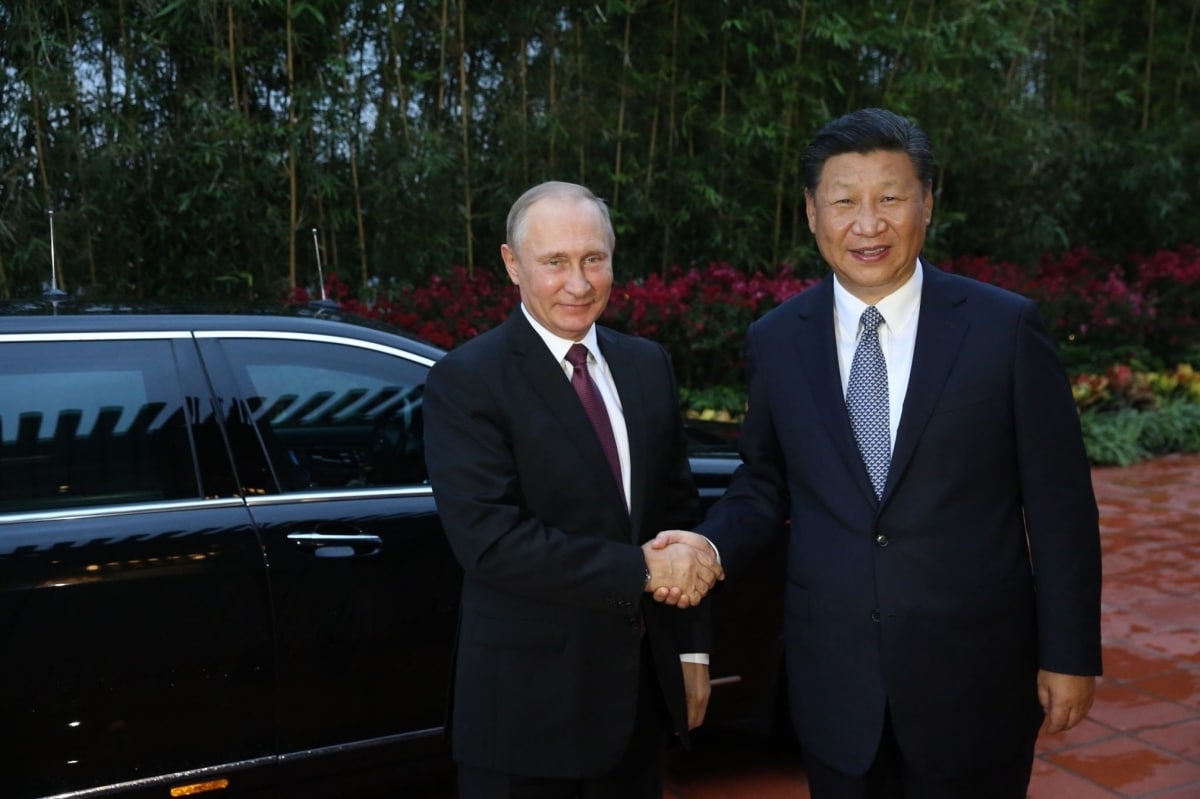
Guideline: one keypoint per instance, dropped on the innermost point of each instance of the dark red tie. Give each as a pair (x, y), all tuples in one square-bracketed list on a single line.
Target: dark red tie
[(593, 405)]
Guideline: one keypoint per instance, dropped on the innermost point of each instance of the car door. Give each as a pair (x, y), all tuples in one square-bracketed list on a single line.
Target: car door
[(135, 651), (364, 586)]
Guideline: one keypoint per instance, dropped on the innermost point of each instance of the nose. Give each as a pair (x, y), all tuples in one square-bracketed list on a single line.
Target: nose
[(868, 221), (577, 282)]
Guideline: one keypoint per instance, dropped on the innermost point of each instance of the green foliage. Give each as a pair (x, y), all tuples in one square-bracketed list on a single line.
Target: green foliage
[(189, 148), (1114, 439), (1128, 435)]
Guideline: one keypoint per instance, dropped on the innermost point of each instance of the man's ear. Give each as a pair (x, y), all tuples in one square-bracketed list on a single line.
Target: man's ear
[(510, 264)]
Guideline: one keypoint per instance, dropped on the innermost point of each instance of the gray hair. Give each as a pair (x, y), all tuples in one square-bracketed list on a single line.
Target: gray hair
[(558, 190)]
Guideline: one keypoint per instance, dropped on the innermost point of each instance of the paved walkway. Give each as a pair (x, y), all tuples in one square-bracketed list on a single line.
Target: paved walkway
[(1142, 739)]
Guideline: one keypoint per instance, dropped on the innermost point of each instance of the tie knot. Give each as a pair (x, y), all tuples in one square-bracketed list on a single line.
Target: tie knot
[(871, 319), (577, 355)]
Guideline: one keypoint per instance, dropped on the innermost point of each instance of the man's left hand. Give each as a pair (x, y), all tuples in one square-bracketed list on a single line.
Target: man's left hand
[(697, 690), (1066, 698)]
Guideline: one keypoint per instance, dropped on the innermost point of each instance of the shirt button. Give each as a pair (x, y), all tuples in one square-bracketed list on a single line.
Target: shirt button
[(881, 539)]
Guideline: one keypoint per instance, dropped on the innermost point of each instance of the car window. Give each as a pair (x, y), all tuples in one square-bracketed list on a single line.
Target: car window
[(333, 416), (91, 423)]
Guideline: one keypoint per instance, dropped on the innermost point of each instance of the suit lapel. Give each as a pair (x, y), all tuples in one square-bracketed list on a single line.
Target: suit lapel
[(816, 350), (549, 383), (941, 327)]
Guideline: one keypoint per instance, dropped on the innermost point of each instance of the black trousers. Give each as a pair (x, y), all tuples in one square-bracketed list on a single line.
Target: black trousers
[(889, 777), (638, 775)]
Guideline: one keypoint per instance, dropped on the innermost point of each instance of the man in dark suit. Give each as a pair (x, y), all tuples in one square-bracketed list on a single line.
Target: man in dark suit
[(916, 428), (567, 683)]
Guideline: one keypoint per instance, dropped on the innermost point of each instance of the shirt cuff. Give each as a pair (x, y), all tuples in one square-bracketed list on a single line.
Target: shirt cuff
[(694, 657), (716, 551)]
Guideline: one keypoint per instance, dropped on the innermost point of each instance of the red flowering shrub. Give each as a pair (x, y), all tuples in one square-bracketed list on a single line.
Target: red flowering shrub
[(1149, 306), (1107, 311)]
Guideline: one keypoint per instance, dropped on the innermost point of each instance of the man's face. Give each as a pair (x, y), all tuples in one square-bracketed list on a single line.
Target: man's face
[(562, 264), (869, 214)]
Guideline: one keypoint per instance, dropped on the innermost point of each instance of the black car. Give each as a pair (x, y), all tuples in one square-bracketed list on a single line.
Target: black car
[(221, 568)]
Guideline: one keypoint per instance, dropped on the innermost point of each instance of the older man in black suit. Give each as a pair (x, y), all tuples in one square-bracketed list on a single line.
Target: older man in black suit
[(555, 449)]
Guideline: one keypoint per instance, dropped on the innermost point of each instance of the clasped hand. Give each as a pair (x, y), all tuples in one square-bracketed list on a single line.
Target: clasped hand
[(683, 567)]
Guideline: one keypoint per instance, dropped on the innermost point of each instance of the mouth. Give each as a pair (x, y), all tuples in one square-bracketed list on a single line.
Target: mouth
[(870, 253)]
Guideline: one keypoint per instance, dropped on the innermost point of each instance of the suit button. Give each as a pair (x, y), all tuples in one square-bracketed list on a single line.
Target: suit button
[(876, 616), (881, 539)]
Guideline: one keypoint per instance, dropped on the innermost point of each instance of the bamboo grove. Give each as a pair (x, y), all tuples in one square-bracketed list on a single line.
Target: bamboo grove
[(210, 148)]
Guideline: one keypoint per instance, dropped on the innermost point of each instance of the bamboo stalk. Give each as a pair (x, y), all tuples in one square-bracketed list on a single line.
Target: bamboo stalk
[(293, 213), (908, 12), (626, 66), (356, 187), (465, 109), (722, 107), (786, 157), (231, 43), (552, 100), (582, 115), (524, 76), (395, 65), (1187, 51), (73, 112), (441, 93), (1146, 87), (671, 133)]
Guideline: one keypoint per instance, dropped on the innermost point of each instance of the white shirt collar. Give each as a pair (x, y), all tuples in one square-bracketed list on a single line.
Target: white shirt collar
[(559, 346), (896, 308)]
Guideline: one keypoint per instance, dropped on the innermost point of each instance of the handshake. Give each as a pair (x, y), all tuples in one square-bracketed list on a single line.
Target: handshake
[(683, 567)]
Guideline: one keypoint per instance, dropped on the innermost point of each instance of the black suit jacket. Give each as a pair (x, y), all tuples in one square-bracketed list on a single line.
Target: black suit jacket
[(980, 564), (547, 667)]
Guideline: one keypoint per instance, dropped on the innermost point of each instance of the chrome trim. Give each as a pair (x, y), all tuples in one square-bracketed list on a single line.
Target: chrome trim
[(190, 775), (339, 494), (224, 770), (119, 510), (97, 335), (319, 539), (368, 743), (322, 337)]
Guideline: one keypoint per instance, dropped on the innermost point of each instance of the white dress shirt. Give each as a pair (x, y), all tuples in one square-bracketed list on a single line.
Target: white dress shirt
[(897, 337), (602, 377)]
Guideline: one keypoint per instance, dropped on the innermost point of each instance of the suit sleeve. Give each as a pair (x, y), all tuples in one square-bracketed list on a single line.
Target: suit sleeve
[(1061, 518), (755, 507), (495, 538)]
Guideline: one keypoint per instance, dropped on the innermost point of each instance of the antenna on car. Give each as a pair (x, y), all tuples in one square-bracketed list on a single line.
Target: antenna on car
[(324, 302), (53, 294)]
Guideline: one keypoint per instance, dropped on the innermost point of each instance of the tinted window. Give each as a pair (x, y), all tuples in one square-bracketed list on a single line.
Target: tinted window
[(91, 423), (333, 416)]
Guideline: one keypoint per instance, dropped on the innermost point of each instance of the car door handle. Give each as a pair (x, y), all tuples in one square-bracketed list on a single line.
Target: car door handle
[(328, 545)]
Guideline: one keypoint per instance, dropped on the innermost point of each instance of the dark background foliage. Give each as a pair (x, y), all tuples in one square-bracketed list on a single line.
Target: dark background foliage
[(191, 147)]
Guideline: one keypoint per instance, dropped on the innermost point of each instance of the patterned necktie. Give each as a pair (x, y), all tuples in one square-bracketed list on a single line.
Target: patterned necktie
[(867, 402), (593, 405)]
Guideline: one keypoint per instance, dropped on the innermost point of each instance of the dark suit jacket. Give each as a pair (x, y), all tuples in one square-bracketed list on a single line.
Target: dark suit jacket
[(980, 564), (549, 637)]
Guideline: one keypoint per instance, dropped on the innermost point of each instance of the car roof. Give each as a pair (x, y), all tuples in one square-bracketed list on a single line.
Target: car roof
[(320, 318)]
